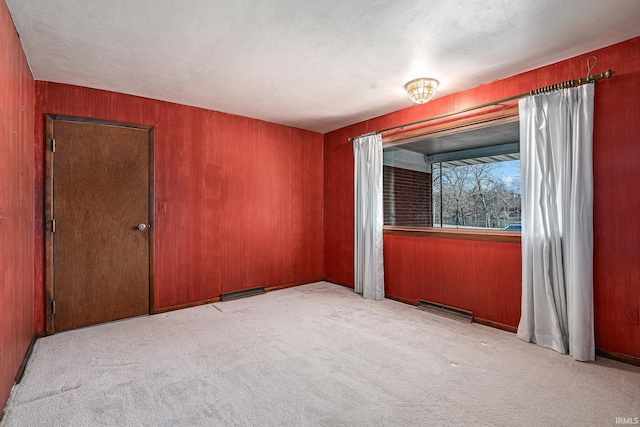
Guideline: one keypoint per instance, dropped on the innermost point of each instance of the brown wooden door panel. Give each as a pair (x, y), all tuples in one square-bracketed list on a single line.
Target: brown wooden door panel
[(100, 195)]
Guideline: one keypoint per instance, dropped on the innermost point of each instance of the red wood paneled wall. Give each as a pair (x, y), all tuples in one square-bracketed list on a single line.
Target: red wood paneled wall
[(485, 277), (16, 204), (446, 268), (244, 198)]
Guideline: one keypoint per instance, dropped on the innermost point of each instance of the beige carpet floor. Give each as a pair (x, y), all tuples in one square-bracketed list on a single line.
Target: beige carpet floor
[(314, 355)]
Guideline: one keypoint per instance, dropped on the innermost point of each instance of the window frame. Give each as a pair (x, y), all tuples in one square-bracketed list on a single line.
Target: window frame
[(448, 127)]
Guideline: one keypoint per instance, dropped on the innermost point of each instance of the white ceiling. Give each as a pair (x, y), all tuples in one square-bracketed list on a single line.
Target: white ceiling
[(317, 65)]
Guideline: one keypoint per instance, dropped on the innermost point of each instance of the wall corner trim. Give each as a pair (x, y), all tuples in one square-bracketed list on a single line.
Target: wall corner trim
[(27, 355)]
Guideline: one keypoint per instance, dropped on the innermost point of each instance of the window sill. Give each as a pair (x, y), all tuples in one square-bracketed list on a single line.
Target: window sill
[(455, 233)]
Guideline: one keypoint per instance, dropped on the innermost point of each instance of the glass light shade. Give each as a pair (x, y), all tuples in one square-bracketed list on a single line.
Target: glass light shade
[(421, 90)]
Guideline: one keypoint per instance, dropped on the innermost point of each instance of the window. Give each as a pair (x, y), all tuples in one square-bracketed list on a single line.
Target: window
[(463, 179)]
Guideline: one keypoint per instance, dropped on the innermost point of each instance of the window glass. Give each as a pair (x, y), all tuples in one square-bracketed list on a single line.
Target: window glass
[(483, 195)]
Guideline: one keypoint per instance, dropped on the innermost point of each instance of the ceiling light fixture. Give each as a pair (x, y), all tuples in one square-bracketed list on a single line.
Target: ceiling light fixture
[(421, 90)]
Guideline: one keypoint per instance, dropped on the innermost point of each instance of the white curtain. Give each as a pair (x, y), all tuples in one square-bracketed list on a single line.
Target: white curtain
[(369, 270), (556, 139)]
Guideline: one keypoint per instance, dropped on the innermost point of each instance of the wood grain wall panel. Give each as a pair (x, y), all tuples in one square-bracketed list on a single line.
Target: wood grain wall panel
[(243, 197), (338, 205), (16, 204), (411, 271), (489, 283), (617, 186)]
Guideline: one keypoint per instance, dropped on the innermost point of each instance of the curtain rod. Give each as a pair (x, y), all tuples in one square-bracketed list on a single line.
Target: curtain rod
[(562, 85)]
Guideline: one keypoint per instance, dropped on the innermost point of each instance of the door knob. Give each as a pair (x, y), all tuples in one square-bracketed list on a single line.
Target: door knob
[(142, 227)]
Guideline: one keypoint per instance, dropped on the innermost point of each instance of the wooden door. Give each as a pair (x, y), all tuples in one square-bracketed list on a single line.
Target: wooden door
[(100, 237)]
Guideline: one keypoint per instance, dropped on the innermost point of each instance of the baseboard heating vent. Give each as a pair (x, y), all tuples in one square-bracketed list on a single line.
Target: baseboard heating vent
[(445, 310), (242, 294)]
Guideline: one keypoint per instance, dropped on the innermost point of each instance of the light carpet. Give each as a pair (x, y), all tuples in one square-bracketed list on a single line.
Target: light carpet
[(313, 355)]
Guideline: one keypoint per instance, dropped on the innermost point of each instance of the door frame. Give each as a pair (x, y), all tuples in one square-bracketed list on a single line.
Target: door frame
[(49, 215)]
